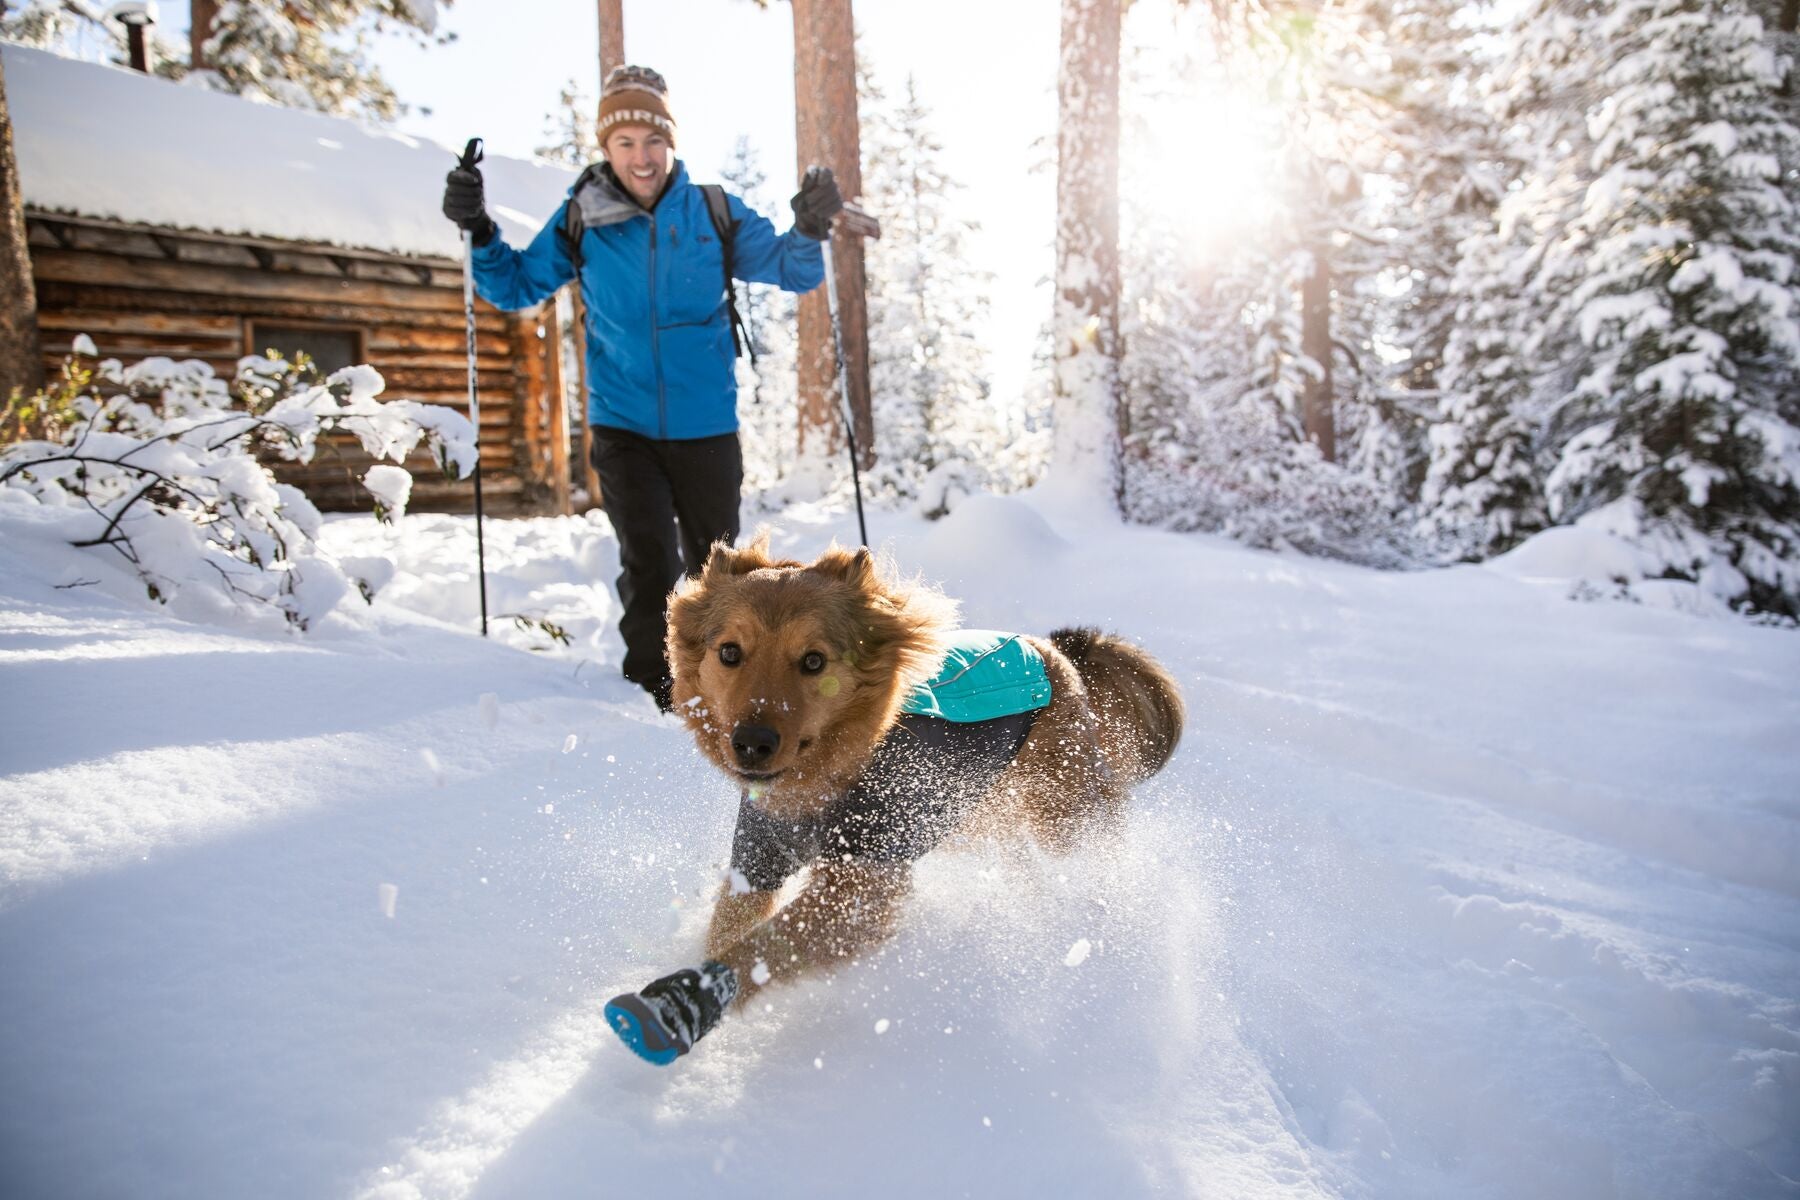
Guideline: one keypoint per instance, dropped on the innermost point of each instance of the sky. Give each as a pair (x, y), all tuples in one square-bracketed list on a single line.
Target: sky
[(988, 72)]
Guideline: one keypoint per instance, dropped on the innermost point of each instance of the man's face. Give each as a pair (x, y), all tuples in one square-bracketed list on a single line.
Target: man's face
[(640, 158)]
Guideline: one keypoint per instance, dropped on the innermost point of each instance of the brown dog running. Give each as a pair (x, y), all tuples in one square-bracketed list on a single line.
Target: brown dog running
[(794, 680)]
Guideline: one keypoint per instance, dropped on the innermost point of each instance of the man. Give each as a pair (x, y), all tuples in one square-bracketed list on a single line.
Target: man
[(662, 391)]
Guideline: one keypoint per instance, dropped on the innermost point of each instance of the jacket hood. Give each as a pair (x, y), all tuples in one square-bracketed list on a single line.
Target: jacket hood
[(602, 200)]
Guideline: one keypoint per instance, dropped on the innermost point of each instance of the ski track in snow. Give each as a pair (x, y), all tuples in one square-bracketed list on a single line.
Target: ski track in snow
[(1455, 889)]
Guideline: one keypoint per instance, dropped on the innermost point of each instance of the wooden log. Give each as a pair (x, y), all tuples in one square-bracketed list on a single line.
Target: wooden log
[(528, 401), (251, 253), (340, 453), (56, 346), (446, 343), (492, 379), (72, 266), (39, 220), (57, 294), (559, 414), (578, 326), (490, 359), (99, 321)]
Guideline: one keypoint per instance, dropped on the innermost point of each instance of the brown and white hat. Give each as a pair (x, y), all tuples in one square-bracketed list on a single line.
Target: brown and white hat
[(635, 96)]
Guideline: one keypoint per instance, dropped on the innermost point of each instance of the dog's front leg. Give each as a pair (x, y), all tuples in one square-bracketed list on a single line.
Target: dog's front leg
[(735, 915), (846, 908)]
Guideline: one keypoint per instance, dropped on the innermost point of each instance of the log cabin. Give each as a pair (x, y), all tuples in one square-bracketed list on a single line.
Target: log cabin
[(169, 220)]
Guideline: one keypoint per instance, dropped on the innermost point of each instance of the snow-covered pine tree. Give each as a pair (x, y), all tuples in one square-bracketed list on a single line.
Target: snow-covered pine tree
[(1219, 364), (1484, 490), (1511, 353), (81, 29), (1681, 433), (761, 304), (312, 53), (1444, 160), (771, 384), (934, 415)]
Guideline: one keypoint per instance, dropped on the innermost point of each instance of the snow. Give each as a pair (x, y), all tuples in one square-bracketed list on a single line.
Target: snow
[(1455, 888), (101, 141)]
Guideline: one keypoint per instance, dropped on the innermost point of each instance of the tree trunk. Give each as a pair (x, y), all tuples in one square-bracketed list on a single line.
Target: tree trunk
[(827, 133), (612, 37), (21, 364), (1088, 416), (612, 55), (1316, 417), (1790, 15), (200, 24)]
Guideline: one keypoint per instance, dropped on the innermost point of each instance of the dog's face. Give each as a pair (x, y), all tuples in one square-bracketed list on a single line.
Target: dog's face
[(788, 674)]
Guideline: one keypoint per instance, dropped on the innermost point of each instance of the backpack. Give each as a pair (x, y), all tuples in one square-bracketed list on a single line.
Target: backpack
[(717, 207)]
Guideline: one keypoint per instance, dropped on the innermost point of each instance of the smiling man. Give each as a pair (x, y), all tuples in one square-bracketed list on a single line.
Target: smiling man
[(654, 255)]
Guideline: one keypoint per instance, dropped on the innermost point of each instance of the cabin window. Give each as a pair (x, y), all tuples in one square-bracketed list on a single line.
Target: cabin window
[(331, 347)]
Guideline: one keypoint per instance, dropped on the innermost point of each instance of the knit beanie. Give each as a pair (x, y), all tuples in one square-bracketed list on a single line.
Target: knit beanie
[(635, 96)]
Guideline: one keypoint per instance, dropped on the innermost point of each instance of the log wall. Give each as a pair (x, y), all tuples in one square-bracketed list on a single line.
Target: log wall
[(139, 292)]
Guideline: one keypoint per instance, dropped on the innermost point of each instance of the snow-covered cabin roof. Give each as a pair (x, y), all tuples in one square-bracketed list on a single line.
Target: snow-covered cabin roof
[(106, 142)]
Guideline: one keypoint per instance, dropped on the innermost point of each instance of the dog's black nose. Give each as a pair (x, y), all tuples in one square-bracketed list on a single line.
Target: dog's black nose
[(754, 745)]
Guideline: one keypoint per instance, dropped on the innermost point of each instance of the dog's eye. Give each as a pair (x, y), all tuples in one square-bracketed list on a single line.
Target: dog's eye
[(813, 663), (731, 654)]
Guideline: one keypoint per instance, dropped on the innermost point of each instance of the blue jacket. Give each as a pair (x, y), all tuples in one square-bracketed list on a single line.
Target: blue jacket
[(659, 349)]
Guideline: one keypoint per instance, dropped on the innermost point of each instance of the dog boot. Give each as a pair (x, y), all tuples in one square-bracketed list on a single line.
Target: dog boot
[(662, 1022)]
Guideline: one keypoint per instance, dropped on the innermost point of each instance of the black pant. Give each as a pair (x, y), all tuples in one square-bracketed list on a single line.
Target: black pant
[(668, 503)]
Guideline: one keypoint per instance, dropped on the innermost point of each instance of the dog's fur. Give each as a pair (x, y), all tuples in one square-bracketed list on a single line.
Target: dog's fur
[(1114, 719)]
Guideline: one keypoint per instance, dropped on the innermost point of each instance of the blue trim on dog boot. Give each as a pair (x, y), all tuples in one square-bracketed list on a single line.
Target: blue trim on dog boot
[(640, 1027), (662, 1022)]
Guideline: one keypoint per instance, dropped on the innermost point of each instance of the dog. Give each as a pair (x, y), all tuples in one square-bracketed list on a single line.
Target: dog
[(863, 730)]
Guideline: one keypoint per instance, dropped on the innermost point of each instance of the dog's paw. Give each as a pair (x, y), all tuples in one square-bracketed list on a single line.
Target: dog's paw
[(662, 1022), (639, 1025)]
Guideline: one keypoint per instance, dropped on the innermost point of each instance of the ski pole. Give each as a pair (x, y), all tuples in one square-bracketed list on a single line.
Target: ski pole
[(471, 155), (843, 379)]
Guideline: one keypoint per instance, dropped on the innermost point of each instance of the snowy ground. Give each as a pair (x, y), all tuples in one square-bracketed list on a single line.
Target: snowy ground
[(1456, 888)]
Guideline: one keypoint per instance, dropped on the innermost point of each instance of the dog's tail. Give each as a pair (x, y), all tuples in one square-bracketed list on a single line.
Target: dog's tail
[(1139, 706)]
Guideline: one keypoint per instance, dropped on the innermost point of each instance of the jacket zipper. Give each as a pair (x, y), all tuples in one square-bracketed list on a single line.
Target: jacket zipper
[(662, 399)]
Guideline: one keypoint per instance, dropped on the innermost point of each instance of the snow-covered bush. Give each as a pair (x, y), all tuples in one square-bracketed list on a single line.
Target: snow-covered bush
[(162, 465), (1230, 470)]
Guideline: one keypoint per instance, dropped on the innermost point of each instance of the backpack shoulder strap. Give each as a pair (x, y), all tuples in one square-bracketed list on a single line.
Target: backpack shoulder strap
[(718, 207), (570, 231)]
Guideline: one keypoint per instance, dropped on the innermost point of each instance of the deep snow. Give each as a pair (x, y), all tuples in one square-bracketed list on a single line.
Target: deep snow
[(1456, 888)]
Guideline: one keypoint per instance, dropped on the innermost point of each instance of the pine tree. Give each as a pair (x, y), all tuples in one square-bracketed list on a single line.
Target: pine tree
[(1681, 433), (1511, 354), (21, 363), (1444, 157), (1484, 493), (929, 375), (81, 29), (771, 417), (744, 175), (570, 129), (313, 53), (1235, 338)]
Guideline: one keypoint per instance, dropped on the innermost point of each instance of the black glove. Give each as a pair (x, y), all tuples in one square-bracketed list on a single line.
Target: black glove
[(817, 201), (465, 203)]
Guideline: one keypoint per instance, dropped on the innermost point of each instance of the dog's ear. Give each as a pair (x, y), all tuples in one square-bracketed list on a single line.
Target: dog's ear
[(723, 562), (854, 567)]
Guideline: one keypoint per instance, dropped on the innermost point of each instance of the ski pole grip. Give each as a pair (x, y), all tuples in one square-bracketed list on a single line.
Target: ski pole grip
[(472, 154)]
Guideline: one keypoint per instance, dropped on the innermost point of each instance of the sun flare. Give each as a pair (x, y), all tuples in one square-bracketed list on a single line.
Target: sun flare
[(1208, 168)]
